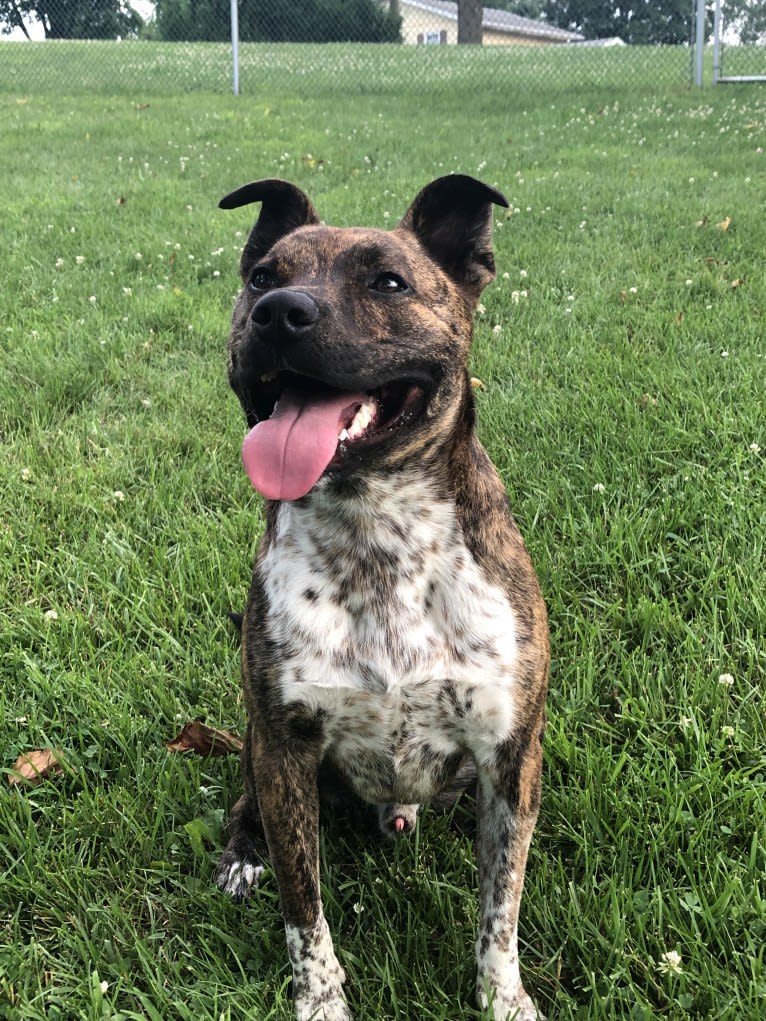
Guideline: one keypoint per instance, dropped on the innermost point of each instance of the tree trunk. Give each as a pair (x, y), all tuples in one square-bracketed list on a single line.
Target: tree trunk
[(17, 20), (469, 18)]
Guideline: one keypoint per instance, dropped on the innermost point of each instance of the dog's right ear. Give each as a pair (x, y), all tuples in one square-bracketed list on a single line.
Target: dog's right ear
[(284, 208)]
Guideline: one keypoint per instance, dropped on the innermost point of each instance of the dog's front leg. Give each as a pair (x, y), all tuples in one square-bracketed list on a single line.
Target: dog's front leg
[(507, 802), (288, 795)]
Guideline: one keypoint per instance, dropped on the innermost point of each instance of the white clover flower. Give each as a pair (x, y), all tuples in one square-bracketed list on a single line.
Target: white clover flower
[(685, 722), (670, 963), (79, 259), (523, 274), (118, 495), (497, 328), (725, 680), (127, 291), (599, 488), (50, 615), (755, 448), (26, 474), (92, 299), (727, 731), (59, 263)]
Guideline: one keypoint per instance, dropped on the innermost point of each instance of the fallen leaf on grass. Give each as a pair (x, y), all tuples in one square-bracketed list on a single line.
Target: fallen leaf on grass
[(36, 766), (737, 283), (203, 740), (476, 384), (725, 223)]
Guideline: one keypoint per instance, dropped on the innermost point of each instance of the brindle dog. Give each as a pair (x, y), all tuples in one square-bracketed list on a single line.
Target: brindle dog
[(394, 628)]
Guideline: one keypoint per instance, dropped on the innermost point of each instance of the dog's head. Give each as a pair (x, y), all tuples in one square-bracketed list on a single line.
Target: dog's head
[(349, 346)]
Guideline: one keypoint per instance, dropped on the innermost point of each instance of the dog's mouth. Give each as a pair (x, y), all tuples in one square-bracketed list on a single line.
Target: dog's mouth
[(306, 427)]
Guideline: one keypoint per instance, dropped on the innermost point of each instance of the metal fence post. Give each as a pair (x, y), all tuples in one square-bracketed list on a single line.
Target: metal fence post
[(699, 48), (235, 47), (717, 43)]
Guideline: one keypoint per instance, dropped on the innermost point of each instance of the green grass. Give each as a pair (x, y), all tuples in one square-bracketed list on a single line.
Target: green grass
[(624, 407)]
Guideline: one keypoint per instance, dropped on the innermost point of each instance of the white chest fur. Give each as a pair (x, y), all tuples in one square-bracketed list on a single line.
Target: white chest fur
[(385, 623)]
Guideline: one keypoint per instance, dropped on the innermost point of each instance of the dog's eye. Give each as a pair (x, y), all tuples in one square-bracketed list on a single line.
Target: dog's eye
[(389, 283), (262, 279)]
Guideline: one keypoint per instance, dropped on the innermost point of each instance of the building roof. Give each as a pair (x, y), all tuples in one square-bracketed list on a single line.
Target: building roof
[(498, 21)]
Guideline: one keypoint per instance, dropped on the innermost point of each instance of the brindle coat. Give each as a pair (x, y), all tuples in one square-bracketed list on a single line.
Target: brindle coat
[(394, 628)]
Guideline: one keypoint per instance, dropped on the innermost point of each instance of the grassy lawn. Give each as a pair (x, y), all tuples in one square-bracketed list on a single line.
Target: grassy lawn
[(623, 349)]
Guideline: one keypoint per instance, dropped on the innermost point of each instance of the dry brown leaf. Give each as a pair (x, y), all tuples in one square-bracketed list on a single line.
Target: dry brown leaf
[(725, 223), (197, 737), (36, 766), (679, 318), (737, 283), (476, 384)]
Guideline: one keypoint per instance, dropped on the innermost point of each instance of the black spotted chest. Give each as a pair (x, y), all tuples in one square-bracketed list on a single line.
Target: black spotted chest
[(398, 645)]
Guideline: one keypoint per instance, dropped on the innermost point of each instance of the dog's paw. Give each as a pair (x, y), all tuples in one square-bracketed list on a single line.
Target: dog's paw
[(501, 1007), (334, 1009), (317, 975), (237, 877)]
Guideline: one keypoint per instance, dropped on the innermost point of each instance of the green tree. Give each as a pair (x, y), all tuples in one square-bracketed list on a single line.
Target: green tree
[(746, 20), (642, 21), (72, 19), (279, 20)]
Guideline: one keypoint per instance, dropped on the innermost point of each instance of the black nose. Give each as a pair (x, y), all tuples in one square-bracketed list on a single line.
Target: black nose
[(284, 315)]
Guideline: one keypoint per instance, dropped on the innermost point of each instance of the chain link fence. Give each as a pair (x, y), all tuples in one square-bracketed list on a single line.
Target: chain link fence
[(739, 41), (345, 46)]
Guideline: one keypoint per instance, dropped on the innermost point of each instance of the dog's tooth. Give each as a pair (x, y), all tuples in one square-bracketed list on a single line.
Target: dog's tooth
[(343, 435), (362, 418)]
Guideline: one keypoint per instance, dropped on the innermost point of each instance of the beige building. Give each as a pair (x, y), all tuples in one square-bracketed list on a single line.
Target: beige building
[(435, 21)]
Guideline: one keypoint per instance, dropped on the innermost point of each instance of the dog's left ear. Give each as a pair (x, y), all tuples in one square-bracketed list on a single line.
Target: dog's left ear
[(284, 208), (452, 219)]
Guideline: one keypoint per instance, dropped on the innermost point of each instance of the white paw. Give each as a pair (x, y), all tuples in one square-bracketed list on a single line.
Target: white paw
[(237, 878), (332, 1007), (317, 976), (504, 1007)]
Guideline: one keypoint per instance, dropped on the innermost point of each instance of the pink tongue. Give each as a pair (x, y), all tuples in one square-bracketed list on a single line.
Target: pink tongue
[(285, 455)]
